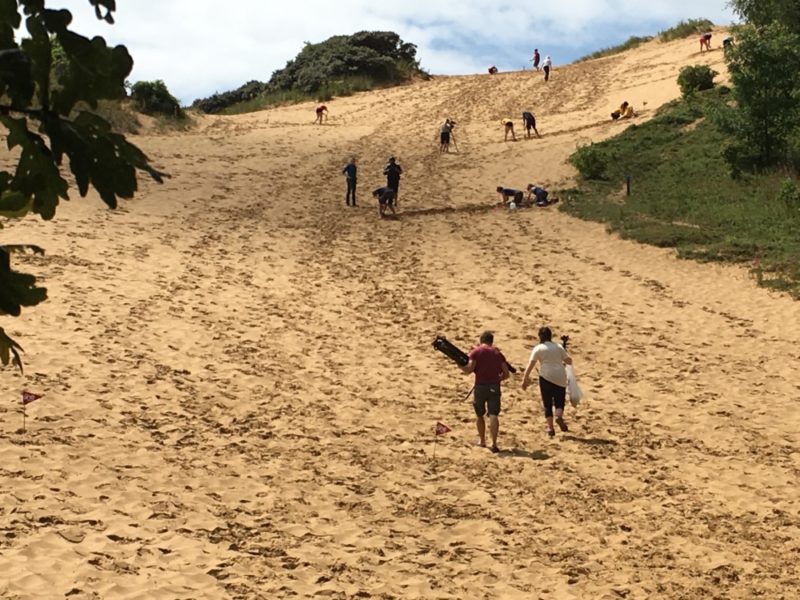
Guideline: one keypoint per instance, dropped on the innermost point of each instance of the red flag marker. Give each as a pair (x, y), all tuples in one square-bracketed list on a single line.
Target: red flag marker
[(441, 428), (28, 397)]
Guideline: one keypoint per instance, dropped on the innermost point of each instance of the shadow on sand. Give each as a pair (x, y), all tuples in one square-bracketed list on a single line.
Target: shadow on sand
[(520, 453), (424, 212), (590, 441)]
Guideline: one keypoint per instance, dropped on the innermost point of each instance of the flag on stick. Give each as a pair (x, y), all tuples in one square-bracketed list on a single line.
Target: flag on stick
[(28, 397), (441, 428)]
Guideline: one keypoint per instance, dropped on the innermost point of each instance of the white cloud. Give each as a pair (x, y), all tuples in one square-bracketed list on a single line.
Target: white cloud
[(199, 47)]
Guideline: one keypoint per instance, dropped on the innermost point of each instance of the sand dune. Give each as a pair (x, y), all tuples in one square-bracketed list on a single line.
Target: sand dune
[(240, 391)]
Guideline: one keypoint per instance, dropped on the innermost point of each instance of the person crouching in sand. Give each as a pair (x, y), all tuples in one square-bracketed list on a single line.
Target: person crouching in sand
[(508, 127), (385, 197), (552, 378)]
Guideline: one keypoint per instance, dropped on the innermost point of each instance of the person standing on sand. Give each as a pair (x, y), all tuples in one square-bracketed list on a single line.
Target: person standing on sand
[(444, 135), (546, 65), (350, 171), (535, 59), (393, 171), (322, 111), (552, 378), (490, 368)]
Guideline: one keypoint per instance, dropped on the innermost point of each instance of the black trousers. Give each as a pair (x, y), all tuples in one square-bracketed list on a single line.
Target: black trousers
[(351, 191), (546, 73)]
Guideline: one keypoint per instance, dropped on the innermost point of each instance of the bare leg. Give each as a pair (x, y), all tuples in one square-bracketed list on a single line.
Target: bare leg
[(481, 424), (494, 427)]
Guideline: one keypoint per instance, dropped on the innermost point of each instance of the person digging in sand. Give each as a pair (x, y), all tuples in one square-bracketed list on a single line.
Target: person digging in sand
[(490, 368), (529, 120), (508, 127), (552, 378), (322, 112), (385, 197), (539, 196)]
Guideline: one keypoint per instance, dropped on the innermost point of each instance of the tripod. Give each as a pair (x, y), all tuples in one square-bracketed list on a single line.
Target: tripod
[(453, 140)]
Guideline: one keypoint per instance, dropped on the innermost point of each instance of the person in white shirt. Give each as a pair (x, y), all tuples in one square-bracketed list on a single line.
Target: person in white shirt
[(546, 65), (552, 378)]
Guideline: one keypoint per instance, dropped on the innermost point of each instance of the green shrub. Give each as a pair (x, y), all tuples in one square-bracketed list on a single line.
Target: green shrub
[(590, 161), (684, 29), (153, 98), (630, 43), (696, 78), (789, 194)]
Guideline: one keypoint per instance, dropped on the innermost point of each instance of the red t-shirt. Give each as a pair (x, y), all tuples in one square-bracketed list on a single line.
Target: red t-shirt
[(488, 364)]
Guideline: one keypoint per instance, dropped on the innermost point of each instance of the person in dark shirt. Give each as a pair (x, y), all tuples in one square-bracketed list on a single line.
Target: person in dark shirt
[(350, 171), (385, 197), (490, 368), (530, 123), (393, 171), (509, 195)]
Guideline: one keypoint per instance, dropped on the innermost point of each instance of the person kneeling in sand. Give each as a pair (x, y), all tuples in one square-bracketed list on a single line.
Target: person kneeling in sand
[(385, 197), (509, 196), (539, 196), (508, 126), (625, 111)]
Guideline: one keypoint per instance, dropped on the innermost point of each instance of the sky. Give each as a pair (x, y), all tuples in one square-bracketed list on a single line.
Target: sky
[(199, 47)]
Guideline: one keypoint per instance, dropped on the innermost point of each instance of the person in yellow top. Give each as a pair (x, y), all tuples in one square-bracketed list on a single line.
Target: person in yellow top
[(508, 126), (625, 111)]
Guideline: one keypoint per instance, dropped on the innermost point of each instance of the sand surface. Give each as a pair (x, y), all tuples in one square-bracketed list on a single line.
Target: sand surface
[(240, 390)]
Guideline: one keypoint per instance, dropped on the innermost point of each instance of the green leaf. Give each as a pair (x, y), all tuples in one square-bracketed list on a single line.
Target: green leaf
[(17, 289), (9, 348), (15, 204)]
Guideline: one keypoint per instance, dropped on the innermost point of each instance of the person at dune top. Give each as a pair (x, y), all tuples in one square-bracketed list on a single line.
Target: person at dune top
[(490, 368), (508, 127), (322, 112), (552, 378), (492, 70), (535, 59), (546, 66)]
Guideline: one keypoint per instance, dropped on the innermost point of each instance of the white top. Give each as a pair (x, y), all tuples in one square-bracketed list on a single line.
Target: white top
[(547, 62), (551, 356)]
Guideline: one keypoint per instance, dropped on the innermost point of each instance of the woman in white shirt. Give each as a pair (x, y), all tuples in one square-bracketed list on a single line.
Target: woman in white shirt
[(552, 378)]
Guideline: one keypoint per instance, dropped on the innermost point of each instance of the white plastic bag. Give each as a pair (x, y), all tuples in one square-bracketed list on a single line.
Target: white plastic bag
[(575, 393)]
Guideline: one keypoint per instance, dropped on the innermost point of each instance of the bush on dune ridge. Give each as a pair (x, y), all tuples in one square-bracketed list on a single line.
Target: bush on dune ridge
[(340, 65)]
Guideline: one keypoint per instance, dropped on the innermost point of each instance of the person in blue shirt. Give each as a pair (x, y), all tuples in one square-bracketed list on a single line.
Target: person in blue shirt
[(350, 170)]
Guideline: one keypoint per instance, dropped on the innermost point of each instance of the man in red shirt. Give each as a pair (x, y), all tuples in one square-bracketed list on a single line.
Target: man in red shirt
[(490, 368)]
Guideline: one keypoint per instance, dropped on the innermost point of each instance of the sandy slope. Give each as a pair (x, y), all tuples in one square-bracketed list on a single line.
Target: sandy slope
[(240, 390)]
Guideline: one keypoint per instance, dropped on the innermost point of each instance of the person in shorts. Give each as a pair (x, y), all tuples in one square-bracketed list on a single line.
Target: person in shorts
[(322, 112), (490, 368), (552, 378), (444, 135), (530, 123), (705, 42), (385, 197), (508, 127)]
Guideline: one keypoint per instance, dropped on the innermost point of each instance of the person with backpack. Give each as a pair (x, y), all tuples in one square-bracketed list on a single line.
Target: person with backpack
[(529, 120)]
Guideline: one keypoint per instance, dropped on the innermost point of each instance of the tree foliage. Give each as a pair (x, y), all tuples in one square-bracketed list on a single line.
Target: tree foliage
[(696, 78), (153, 98), (764, 66), (764, 12), (46, 123), (380, 56)]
